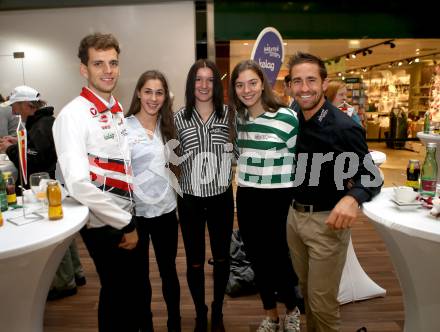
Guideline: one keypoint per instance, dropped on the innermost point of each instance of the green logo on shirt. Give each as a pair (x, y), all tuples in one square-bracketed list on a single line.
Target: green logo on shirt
[(109, 136)]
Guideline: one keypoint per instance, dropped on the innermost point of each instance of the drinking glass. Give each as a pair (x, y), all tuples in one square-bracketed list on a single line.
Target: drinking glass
[(38, 183)]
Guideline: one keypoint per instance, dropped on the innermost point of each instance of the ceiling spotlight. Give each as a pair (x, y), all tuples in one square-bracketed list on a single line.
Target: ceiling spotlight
[(417, 60), (400, 63), (389, 42), (364, 69), (353, 56), (390, 65), (343, 78), (410, 61), (339, 74)]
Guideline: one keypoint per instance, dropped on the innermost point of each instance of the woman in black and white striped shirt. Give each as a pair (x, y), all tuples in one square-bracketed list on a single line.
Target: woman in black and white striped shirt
[(205, 135)]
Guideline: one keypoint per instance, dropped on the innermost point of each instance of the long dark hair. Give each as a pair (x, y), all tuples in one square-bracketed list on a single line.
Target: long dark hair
[(268, 99), (167, 129), (217, 93)]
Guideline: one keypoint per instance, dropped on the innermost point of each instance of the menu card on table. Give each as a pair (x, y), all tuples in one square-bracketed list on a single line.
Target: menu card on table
[(16, 216)]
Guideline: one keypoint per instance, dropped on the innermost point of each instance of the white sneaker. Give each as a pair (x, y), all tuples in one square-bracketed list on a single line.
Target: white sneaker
[(268, 325), (292, 321)]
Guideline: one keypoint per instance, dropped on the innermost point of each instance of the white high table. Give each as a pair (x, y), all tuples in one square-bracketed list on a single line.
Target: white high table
[(29, 257), (413, 241), (355, 284)]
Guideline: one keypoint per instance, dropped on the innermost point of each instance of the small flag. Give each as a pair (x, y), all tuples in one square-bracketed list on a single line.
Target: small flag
[(22, 148)]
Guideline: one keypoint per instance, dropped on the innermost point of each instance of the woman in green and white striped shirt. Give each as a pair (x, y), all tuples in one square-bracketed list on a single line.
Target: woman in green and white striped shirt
[(266, 138)]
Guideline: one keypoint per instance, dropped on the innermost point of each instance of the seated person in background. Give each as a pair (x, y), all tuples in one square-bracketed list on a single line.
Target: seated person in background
[(38, 119), (336, 93), (8, 122), (69, 275), (288, 92), (41, 157)]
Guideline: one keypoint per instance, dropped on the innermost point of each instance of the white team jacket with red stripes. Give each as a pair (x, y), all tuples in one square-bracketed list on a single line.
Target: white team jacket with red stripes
[(93, 152)]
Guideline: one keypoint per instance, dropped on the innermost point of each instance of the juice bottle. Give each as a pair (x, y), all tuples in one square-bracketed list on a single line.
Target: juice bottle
[(10, 188), (55, 210)]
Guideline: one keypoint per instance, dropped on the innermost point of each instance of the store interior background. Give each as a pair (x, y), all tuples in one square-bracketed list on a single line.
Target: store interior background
[(397, 48), (396, 76)]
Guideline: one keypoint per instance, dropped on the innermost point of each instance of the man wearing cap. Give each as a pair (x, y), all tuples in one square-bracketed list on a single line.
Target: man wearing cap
[(8, 121), (93, 152), (38, 119), (42, 157)]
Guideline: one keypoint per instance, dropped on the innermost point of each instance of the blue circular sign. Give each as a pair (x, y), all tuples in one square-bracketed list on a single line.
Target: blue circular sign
[(268, 52)]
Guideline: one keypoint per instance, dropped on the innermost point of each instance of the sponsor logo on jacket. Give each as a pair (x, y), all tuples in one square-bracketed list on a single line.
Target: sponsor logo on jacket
[(108, 136), (93, 111)]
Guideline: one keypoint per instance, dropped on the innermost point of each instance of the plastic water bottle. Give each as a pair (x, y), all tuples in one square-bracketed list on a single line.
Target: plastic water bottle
[(3, 194)]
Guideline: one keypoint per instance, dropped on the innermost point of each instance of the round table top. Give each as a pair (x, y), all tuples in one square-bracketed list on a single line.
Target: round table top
[(416, 222), (428, 137), (17, 240)]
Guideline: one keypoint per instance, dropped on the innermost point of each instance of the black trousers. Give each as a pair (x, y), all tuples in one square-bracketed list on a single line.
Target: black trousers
[(218, 213), (122, 304), (262, 217), (163, 232)]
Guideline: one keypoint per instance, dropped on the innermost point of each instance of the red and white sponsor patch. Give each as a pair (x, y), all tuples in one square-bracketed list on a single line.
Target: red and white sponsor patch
[(103, 118)]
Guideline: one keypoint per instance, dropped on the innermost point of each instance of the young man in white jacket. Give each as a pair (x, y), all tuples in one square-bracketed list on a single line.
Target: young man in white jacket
[(91, 143)]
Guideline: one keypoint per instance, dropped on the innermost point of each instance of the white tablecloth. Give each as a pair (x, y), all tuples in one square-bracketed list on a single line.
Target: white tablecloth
[(29, 257), (413, 241)]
